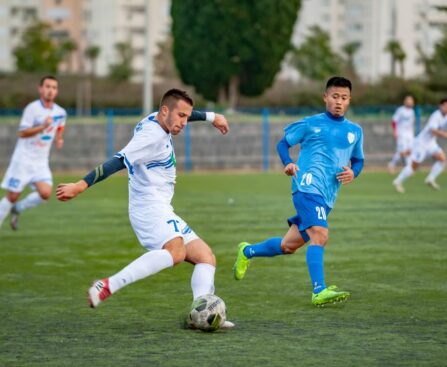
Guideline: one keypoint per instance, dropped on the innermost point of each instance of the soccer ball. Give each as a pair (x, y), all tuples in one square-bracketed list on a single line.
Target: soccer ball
[(207, 313)]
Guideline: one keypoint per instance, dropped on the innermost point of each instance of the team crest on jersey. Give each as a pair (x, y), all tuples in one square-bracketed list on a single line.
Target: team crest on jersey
[(317, 130), (351, 138)]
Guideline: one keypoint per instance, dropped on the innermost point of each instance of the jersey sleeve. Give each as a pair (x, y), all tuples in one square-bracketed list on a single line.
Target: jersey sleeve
[(357, 152), (294, 133), (27, 120), (396, 116), (60, 119), (140, 148), (434, 121)]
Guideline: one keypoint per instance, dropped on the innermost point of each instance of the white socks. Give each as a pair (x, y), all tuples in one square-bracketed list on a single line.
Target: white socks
[(395, 160), (5, 208), (202, 280), (147, 264), (436, 170), (404, 174), (31, 201)]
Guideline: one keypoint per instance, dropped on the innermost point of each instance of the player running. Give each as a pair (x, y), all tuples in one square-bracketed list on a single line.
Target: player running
[(426, 145), (150, 160), (42, 122), (403, 131), (331, 154)]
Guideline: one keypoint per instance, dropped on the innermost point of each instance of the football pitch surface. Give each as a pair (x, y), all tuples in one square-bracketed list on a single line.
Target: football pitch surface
[(388, 249)]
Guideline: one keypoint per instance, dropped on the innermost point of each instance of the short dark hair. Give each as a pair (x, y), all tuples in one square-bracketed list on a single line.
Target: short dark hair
[(174, 95), (339, 81), (442, 101), (51, 77)]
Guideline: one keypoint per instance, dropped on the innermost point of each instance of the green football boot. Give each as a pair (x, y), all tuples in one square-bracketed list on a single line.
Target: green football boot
[(242, 262), (329, 295)]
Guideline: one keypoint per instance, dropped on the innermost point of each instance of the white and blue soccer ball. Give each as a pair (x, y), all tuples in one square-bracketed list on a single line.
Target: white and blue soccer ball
[(208, 313)]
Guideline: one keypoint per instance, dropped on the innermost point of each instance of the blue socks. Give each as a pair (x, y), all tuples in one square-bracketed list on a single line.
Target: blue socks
[(314, 259), (268, 248)]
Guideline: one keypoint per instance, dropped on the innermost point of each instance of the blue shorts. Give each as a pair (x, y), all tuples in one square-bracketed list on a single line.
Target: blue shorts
[(311, 210)]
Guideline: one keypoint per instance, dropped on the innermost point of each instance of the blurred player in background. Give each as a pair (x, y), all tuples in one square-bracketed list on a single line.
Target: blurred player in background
[(331, 154), (403, 131), (425, 145), (42, 122), (150, 160)]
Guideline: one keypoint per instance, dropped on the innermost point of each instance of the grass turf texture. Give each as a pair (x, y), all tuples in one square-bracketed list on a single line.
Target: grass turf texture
[(387, 249)]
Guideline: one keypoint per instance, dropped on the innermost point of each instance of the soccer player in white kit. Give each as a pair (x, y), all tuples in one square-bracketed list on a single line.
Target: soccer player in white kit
[(403, 122), (150, 160), (42, 122), (425, 145)]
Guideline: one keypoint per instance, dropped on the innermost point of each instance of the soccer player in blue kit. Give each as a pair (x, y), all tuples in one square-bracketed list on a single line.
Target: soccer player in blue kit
[(331, 154)]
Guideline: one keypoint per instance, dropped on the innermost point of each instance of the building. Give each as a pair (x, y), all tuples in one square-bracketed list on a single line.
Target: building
[(102, 23), (373, 23)]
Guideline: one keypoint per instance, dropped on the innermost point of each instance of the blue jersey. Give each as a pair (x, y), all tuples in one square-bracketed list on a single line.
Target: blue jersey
[(327, 144)]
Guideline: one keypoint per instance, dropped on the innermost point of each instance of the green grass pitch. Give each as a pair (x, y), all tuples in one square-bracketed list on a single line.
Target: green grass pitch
[(389, 250)]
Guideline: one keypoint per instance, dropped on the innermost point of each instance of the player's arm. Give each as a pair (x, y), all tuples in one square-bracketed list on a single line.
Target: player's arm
[(349, 173), (65, 192), (290, 168), (394, 127), (439, 133), (31, 131), (59, 138), (219, 121)]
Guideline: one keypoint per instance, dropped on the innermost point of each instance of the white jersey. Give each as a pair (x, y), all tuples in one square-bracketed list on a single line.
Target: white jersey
[(150, 160), (405, 118), (436, 121), (36, 149)]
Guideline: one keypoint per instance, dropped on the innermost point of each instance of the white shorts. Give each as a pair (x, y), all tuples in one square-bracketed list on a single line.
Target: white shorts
[(404, 143), (20, 174), (157, 225), (422, 151)]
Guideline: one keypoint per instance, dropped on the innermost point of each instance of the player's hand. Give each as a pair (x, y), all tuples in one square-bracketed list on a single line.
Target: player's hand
[(59, 143), (47, 122), (346, 176), (68, 191), (221, 123), (291, 169)]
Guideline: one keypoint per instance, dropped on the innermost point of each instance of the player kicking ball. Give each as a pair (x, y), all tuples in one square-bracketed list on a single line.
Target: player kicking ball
[(150, 161), (331, 154)]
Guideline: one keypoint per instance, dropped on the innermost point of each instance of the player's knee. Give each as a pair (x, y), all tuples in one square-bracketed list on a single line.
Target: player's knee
[(178, 253), (290, 247), (207, 257), (13, 196), (45, 194)]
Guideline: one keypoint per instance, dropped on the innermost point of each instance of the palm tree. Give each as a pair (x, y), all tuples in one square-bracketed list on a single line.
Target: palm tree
[(350, 49), (66, 48), (398, 55), (92, 53)]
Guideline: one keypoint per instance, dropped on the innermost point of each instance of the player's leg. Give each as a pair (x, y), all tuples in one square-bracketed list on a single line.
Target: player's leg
[(417, 157), (41, 195), (157, 231), (268, 248), (321, 294), (436, 169), (394, 162), (7, 203), (14, 181), (150, 263), (200, 255)]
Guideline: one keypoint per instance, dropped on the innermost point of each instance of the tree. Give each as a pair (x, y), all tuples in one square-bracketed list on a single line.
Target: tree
[(398, 55), (122, 71), (92, 53), (37, 53), (66, 49), (349, 49), (315, 59), (436, 64), (224, 48)]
